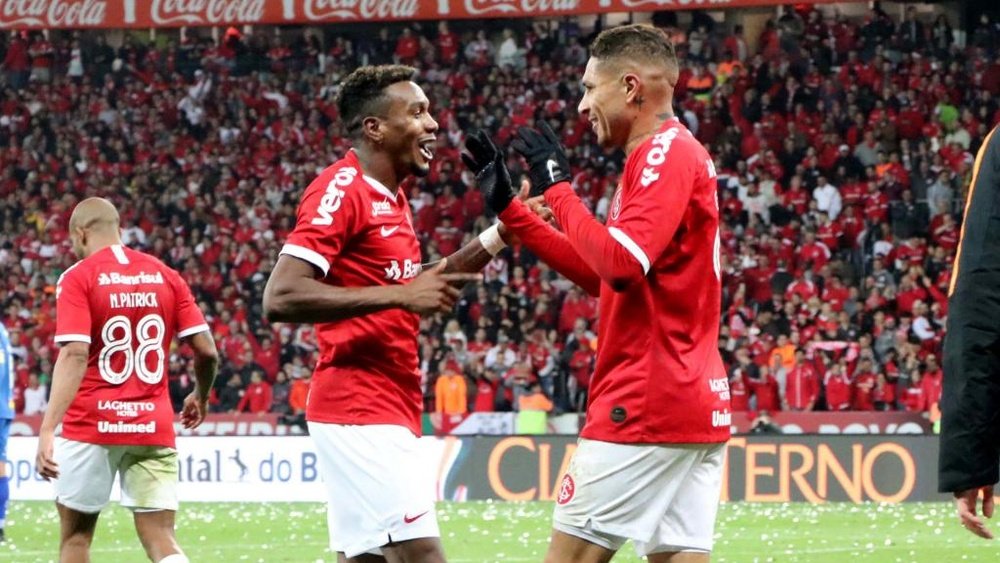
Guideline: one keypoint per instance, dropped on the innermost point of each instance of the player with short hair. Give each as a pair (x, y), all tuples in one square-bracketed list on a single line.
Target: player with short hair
[(117, 311), (649, 462), (352, 265)]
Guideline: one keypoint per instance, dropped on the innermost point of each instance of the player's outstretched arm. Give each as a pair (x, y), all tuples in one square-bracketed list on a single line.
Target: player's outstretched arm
[(206, 366), (548, 168), (492, 177), (550, 245), (71, 365), (293, 294)]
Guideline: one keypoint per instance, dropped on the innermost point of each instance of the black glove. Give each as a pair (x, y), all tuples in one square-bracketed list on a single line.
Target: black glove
[(487, 163), (547, 162)]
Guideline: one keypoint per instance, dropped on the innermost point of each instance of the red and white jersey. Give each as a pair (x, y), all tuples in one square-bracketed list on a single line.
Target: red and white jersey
[(359, 234), (659, 377), (127, 306)]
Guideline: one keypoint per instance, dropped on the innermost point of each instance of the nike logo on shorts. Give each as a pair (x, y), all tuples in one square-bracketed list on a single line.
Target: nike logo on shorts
[(386, 231), (411, 519)]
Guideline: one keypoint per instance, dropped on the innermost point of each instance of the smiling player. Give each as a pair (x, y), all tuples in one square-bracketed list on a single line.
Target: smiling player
[(649, 462), (352, 266)]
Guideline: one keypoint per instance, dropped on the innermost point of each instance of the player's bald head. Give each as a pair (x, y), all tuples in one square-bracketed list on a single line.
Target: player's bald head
[(637, 48), (95, 214)]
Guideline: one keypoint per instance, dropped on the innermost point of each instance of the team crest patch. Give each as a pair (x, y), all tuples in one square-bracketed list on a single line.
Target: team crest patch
[(566, 490)]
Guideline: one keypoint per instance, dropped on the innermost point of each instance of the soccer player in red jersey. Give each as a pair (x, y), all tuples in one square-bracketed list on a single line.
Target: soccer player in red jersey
[(352, 265), (648, 466), (117, 311)]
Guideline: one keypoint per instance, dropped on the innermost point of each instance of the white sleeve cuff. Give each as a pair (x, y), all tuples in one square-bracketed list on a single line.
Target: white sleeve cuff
[(193, 330), (634, 249), (311, 256), (62, 338)]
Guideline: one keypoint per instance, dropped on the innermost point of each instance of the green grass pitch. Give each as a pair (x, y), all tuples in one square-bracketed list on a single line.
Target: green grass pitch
[(483, 532)]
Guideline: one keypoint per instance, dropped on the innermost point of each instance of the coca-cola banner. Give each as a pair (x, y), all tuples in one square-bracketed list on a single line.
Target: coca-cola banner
[(143, 14)]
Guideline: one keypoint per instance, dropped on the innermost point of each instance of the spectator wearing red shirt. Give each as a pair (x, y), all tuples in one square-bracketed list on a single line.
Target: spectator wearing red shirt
[(447, 44), (931, 382), (908, 294), (801, 384), (838, 388), (16, 62), (739, 397), (946, 234), (576, 306), (876, 204), (257, 396), (267, 353), (486, 391), (581, 367), (766, 390), (914, 398), (759, 280), (407, 47), (884, 394), (863, 387), (836, 293), (447, 236)]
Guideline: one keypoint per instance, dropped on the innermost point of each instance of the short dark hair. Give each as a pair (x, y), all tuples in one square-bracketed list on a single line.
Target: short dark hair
[(635, 42), (364, 90)]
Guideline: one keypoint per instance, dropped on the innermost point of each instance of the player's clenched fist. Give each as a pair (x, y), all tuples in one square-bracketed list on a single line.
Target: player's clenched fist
[(486, 161), (431, 292)]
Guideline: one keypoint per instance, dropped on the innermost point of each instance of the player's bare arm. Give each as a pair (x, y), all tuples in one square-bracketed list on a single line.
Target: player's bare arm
[(206, 366), (294, 294), (71, 365)]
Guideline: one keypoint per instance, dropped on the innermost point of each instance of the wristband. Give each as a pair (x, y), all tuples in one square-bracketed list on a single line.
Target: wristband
[(491, 240)]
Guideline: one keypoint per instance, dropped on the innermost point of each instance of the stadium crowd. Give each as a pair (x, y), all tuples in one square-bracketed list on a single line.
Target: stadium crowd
[(842, 147)]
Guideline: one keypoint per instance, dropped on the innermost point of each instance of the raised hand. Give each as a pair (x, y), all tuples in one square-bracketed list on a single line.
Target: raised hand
[(547, 161), (492, 177)]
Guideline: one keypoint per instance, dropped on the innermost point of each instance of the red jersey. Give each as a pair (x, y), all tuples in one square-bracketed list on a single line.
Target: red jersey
[(801, 387), (863, 392), (838, 392), (358, 233), (658, 376), (127, 306)]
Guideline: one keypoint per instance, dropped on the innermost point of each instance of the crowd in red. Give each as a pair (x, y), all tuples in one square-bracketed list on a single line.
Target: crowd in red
[(842, 149)]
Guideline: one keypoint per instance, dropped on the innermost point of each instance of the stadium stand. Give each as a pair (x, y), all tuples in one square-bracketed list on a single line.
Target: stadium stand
[(843, 150)]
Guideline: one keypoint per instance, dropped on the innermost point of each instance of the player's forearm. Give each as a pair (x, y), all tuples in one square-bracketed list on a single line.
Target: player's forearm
[(470, 259), (310, 301), (205, 370), (71, 366), (550, 245), (592, 240)]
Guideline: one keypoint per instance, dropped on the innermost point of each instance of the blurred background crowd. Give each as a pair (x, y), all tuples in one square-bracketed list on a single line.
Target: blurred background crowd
[(843, 145)]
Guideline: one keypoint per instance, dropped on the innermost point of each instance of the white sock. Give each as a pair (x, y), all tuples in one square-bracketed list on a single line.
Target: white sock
[(175, 558)]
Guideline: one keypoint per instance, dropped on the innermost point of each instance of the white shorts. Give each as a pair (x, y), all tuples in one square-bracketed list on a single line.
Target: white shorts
[(662, 497), (378, 491), (87, 473)]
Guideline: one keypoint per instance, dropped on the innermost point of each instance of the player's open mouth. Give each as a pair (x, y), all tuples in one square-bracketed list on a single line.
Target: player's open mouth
[(427, 148)]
